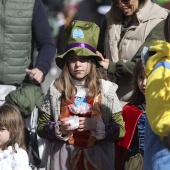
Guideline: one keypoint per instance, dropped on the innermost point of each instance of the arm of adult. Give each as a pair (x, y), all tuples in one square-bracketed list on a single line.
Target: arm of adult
[(44, 43), (36, 75), (125, 69)]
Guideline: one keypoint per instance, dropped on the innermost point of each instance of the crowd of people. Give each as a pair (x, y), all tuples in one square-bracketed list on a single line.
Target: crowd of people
[(108, 108)]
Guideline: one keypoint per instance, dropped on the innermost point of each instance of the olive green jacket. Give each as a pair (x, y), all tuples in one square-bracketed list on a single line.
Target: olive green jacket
[(26, 97)]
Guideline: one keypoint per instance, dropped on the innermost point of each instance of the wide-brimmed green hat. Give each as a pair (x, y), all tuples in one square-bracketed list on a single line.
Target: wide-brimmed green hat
[(82, 38)]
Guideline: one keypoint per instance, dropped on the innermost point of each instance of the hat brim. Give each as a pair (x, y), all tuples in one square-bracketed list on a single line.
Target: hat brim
[(82, 52)]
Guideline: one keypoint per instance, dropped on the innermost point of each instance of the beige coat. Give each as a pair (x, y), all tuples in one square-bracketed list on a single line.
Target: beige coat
[(148, 17)]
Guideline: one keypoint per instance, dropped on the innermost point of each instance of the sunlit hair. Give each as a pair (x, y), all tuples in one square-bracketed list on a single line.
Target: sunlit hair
[(66, 85), (11, 119), (167, 28), (137, 96)]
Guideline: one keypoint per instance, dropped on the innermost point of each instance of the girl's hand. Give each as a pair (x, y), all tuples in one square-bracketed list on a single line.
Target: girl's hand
[(87, 124), (105, 62), (66, 128)]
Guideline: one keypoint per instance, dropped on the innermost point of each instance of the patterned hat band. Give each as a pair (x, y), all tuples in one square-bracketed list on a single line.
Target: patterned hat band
[(83, 45)]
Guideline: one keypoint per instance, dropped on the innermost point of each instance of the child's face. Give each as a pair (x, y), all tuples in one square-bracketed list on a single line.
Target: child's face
[(4, 136), (142, 83), (79, 67)]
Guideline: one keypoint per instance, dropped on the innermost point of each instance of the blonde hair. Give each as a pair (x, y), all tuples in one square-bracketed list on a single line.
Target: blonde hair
[(11, 119), (66, 86)]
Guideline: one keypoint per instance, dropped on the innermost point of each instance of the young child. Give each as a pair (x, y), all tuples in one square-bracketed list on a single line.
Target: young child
[(81, 113), (12, 149), (131, 147)]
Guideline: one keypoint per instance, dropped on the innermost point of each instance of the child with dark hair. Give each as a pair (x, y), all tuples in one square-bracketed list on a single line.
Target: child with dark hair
[(12, 148), (131, 147)]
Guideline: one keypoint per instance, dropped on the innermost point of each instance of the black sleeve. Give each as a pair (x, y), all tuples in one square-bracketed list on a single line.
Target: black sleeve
[(42, 35), (100, 47)]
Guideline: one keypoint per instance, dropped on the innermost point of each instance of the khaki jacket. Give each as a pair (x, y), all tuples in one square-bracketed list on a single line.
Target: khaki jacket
[(148, 17)]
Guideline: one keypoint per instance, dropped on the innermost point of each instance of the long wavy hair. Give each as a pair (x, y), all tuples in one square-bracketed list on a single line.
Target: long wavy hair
[(11, 119), (66, 85), (137, 96)]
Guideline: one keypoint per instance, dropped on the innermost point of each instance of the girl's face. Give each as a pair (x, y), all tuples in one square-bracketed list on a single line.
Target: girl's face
[(4, 136), (128, 7), (142, 83), (79, 66)]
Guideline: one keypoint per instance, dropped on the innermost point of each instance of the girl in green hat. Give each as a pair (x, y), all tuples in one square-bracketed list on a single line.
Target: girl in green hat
[(81, 113)]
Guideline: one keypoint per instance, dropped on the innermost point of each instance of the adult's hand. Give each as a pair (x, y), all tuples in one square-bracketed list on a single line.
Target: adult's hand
[(36, 75), (105, 62)]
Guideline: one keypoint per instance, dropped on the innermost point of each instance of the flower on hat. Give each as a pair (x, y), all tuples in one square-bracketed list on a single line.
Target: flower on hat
[(78, 33)]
